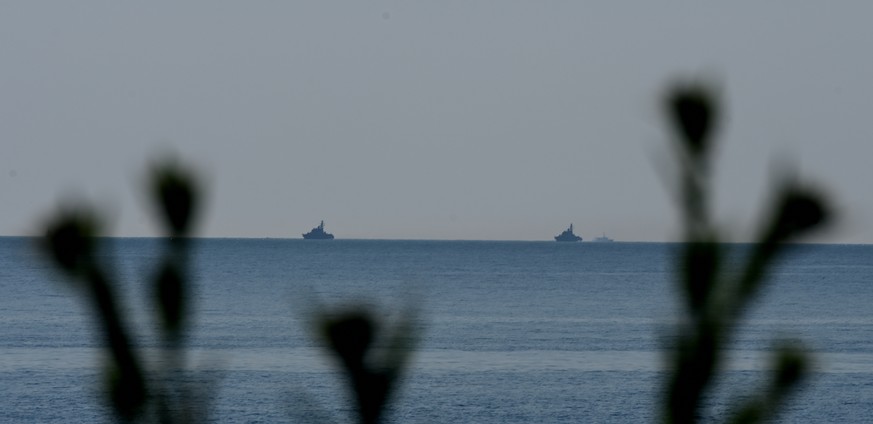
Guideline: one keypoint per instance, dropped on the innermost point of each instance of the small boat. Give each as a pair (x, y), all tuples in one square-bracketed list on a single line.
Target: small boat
[(568, 235), (318, 233), (603, 239)]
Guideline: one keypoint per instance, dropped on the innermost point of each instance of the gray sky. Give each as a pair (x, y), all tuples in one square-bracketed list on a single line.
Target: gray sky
[(434, 120)]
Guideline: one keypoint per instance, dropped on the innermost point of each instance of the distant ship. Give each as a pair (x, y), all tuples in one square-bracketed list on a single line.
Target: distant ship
[(603, 239), (568, 235), (318, 233)]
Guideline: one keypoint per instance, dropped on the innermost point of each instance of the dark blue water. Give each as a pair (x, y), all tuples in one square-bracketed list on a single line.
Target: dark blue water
[(510, 332)]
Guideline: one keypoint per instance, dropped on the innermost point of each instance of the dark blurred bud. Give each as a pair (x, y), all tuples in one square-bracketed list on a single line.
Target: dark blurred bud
[(69, 239), (791, 367), (693, 112), (799, 211), (171, 297), (350, 335), (175, 190)]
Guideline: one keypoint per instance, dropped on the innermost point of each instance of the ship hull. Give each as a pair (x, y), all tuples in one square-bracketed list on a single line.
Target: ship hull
[(568, 238), (308, 236)]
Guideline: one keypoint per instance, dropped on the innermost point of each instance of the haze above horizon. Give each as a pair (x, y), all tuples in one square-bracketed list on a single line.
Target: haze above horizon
[(490, 120)]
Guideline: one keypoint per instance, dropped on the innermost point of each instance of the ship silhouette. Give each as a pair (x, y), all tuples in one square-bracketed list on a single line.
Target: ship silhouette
[(568, 235), (318, 233)]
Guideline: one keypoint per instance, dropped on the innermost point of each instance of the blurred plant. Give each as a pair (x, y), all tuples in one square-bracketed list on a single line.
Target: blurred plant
[(715, 300), (374, 358), (372, 369), (372, 355), (71, 240)]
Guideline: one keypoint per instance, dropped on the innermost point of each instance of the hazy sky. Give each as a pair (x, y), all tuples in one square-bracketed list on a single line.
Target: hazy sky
[(434, 120)]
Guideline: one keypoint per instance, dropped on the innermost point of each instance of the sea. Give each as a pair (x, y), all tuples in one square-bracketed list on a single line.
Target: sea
[(506, 332)]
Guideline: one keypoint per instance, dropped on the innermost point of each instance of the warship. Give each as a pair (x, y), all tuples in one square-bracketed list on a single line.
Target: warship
[(568, 235), (318, 233)]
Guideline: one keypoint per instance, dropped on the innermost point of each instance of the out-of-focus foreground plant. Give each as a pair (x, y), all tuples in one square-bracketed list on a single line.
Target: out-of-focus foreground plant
[(372, 354), (714, 300), (71, 239)]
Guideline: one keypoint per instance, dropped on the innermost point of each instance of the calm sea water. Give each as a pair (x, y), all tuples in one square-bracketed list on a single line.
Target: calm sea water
[(511, 332)]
